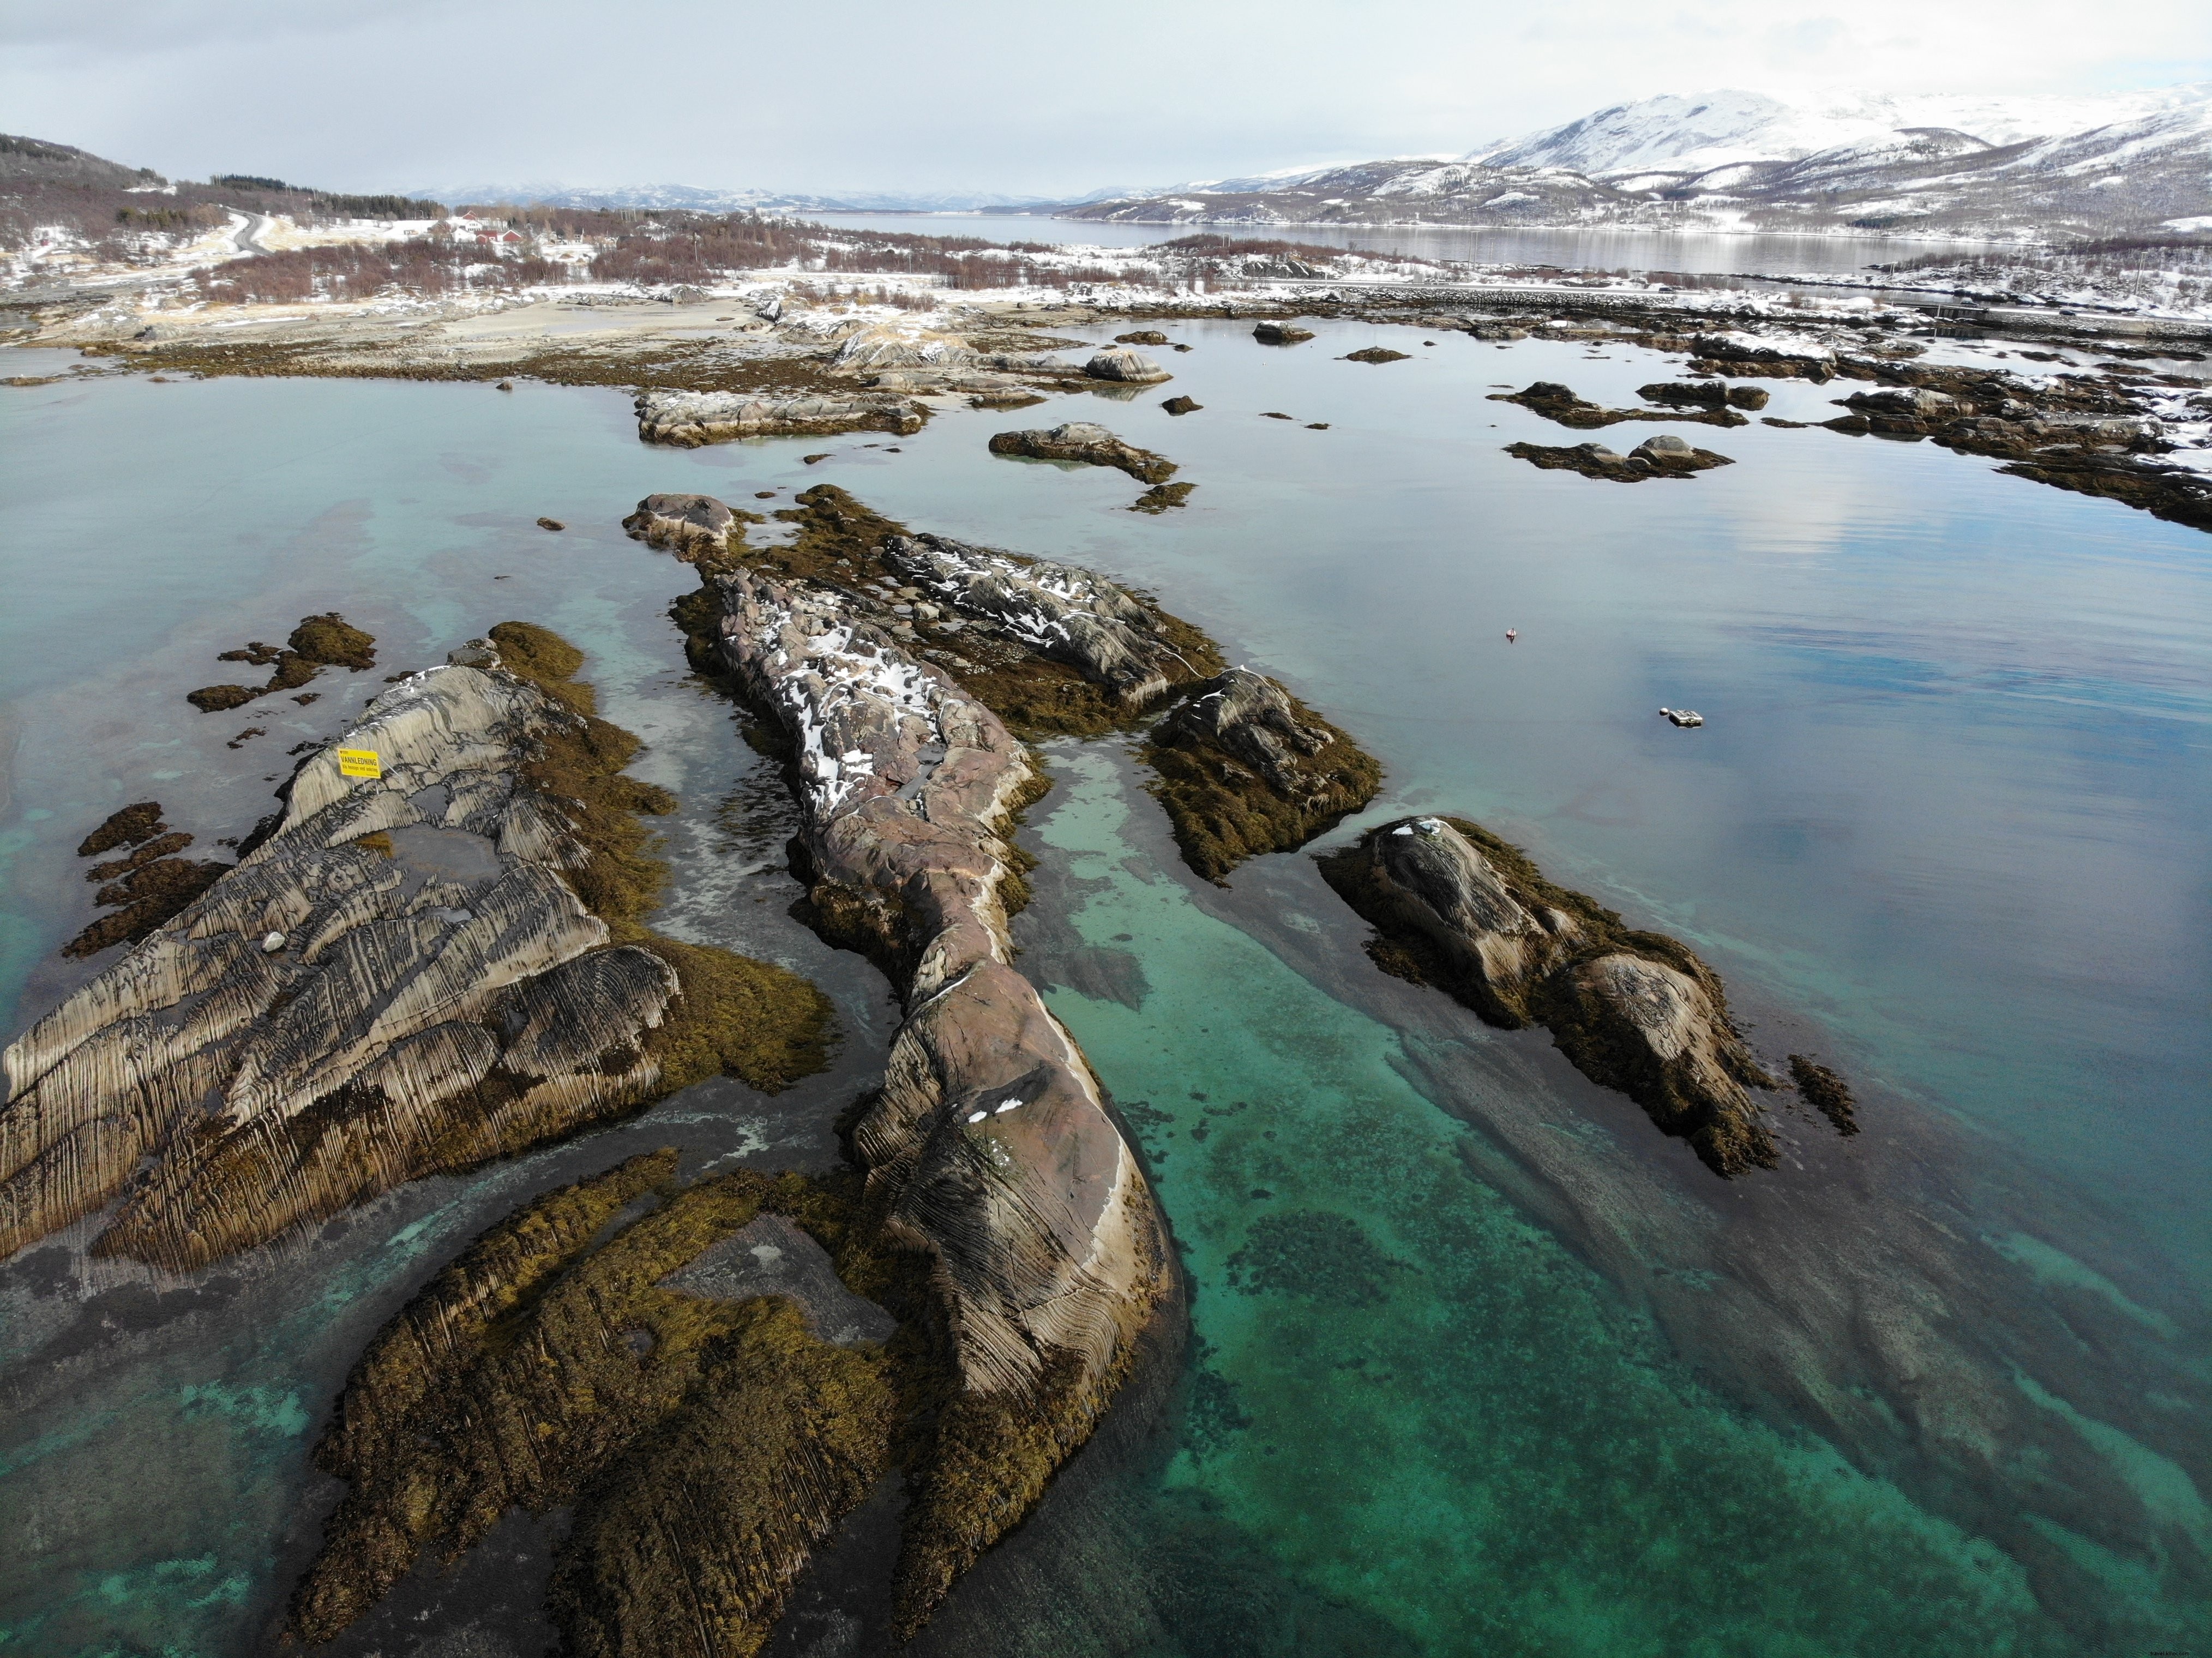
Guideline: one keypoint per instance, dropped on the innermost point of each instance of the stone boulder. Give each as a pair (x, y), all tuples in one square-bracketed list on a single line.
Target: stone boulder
[(692, 527), (1088, 443), (1280, 333), (1459, 908), (1127, 367)]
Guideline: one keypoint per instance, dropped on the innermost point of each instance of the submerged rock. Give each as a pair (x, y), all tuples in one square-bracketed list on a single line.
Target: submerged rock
[(1162, 497), (1088, 443), (1459, 908), (1709, 394), (1245, 768), (687, 419), (461, 978), (319, 641)]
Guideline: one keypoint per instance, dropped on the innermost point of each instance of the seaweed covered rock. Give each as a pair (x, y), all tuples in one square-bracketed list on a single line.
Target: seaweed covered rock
[(1088, 443), (1657, 457), (1244, 767), (688, 419), (707, 1443), (411, 973), (319, 641), (1377, 353), (1162, 498), (1183, 405), (989, 1150), (693, 528), (1457, 907), (1562, 404), (1062, 611), (1280, 333)]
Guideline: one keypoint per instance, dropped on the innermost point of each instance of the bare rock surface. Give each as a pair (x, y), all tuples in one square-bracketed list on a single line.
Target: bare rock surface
[(1459, 908), (1061, 610), (1088, 443), (688, 419)]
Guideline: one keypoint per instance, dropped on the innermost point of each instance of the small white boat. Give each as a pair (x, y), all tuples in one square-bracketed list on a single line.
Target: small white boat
[(1683, 717)]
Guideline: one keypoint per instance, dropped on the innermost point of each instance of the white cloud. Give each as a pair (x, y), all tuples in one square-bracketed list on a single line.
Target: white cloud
[(890, 94)]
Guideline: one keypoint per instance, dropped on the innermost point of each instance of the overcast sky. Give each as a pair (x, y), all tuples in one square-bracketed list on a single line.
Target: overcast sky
[(946, 95)]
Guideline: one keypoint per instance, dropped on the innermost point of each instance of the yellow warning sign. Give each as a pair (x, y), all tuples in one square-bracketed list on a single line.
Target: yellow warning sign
[(360, 763)]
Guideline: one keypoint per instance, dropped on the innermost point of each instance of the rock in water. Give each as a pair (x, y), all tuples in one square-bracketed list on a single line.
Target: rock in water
[(1459, 908), (693, 528), (1377, 353), (989, 1148), (1182, 406), (447, 993), (687, 419), (1131, 368), (1280, 333), (1245, 768), (1092, 444), (1655, 457)]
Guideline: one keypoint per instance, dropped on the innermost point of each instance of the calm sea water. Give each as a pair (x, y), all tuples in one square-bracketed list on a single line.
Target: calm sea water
[(1479, 1364), (1605, 250)]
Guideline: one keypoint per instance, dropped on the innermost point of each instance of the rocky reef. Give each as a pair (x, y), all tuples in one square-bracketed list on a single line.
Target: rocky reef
[(318, 642), (1459, 908), (1663, 456), (1088, 443), (1244, 767), (988, 1149), (403, 974), (1555, 401), (688, 419)]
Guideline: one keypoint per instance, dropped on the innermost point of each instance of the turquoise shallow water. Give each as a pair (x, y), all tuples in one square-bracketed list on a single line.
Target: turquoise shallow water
[(1473, 1377)]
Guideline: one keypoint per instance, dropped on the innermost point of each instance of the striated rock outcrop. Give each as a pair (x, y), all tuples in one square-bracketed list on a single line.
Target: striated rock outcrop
[(405, 974), (1664, 456), (687, 419), (1245, 768), (1457, 907), (1090, 444), (989, 1149)]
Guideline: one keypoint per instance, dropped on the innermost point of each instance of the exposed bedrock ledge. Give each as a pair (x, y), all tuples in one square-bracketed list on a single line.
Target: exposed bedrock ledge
[(1088, 443), (409, 974), (688, 419), (989, 1149), (1459, 908)]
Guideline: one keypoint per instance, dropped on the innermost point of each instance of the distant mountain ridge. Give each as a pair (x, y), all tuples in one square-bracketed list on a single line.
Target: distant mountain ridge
[(1924, 165), (689, 199)]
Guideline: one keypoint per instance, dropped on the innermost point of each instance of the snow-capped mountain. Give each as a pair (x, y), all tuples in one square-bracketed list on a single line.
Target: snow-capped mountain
[(1921, 164)]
